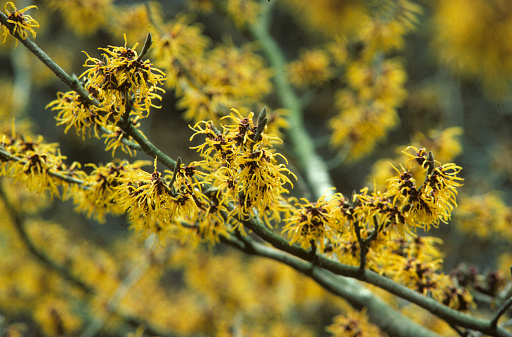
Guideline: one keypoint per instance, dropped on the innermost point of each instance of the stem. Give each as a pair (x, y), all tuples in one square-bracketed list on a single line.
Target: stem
[(6, 155), (147, 147), (390, 320), (309, 161), (71, 82), (362, 248), (501, 311), (371, 277)]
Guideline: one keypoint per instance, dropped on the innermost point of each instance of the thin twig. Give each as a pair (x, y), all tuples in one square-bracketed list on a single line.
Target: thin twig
[(7, 156), (500, 312), (436, 308), (71, 82), (313, 166)]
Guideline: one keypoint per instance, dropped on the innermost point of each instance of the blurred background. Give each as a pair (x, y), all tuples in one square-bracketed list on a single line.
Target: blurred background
[(454, 81)]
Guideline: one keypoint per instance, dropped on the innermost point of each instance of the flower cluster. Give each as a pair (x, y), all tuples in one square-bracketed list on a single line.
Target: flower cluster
[(367, 108), (39, 165), (461, 40), (122, 83), (243, 166), (314, 222), (417, 264), (23, 23), (444, 143), (312, 68), (155, 202), (485, 216), (121, 80), (360, 230), (209, 81), (97, 199), (431, 202)]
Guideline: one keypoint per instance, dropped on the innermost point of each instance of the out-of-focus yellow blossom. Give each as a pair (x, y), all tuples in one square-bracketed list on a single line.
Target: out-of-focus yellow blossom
[(331, 17), (14, 329), (381, 82), (208, 82), (501, 159), (384, 30), (338, 50), (244, 12), (504, 263), (486, 216), (205, 6), (360, 126), (22, 22), (23, 200), (472, 37), (443, 143), (178, 44), (56, 317), (228, 76), (368, 108), (353, 323), (382, 171), (312, 68), (133, 20), (84, 17)]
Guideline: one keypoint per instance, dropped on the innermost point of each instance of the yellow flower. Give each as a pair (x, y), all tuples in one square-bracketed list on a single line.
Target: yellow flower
[(389, 22), (381, 81), (133, 20), (40, 166), (97, 198), (313, 224), (22, 22), (368, 108), (312, 68), (243, 11), (432, 201), (244, 168), (178, 43), (471, 37), (154, 201), (74, 111), (84, 17), (485, 216), (353, 324), (122, 76), (360, 125), (331, 17)]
